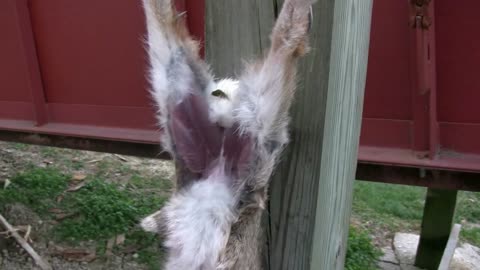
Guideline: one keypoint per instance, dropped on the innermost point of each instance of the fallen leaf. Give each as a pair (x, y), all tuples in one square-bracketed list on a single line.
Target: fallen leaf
[(120, 157), (60, 198), (76, 187), (78, 177), (120, 239), (75, 254), (6, 184), (110, 244), (56, 211)]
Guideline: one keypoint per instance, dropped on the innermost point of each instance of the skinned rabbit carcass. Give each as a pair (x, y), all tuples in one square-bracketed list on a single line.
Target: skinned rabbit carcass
[(224, 136)]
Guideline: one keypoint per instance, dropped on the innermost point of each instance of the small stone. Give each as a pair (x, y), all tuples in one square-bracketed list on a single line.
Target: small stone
[(389, 256), (409, 267), (135, 256), (466, 257), (405, 246), (388, 266)]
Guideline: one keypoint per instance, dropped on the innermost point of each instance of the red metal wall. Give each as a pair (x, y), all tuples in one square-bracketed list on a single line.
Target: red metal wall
[(78, 68), (423, 88)]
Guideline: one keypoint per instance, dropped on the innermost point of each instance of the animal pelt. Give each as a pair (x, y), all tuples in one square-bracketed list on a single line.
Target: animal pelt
[(225, 137)]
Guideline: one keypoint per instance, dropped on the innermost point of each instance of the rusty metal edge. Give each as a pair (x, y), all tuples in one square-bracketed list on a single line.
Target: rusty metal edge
[(453, 180), (90, 144)]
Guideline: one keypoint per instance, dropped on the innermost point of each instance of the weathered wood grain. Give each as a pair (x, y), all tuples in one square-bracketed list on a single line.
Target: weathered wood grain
[(311, 191), (450, 249), (236, 31), (346, 87)]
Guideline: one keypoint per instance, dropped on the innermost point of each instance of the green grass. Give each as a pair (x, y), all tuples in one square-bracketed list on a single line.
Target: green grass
[(471, 235), (101, 210), (35, 188), (400, 208), (20, 146), (468, 207), (104, 211), (388, 206), (50, 152), (361, 253), (147, 242)]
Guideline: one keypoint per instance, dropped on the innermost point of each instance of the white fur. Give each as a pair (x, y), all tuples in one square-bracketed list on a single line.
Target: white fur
[(198, 222), (151, 223), (261, 103), (221, 109), (171, 76)]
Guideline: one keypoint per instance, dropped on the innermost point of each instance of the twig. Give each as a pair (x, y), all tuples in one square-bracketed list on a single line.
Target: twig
[(120, 157), (38, 260)]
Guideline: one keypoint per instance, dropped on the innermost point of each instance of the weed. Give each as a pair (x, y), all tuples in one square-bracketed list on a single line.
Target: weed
[(467, 207), (149, 254), (35, 188), (50, 152), (104, 211), (150, 258), (403, 202), (20, 146), (75, 165), (361, 253), (471, 235), (140, 182)]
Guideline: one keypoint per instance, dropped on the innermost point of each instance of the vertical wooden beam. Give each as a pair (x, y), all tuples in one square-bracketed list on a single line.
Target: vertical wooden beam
[(312, 189), (436, 227), (346, 87), (294, 187), (236, 31)]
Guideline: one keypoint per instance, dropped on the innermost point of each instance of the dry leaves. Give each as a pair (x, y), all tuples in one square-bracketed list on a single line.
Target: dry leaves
[(74, 254), (76, 183)]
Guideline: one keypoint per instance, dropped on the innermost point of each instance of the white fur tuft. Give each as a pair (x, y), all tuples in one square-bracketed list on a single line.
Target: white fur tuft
[(149, 224), (221, 109), (198, 223)]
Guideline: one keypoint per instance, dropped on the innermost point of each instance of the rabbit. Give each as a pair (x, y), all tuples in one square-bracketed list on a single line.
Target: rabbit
[(225, 137)]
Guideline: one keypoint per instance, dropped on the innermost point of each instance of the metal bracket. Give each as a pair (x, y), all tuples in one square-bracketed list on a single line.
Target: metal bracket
[(420, 14), (310, 19)]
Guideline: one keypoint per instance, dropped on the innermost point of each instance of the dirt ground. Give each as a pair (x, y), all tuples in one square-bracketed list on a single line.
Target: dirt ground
[(15, 158)]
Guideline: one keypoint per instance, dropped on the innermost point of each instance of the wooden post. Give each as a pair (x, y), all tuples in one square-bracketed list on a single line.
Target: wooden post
[(311, 192), (450, 248), (436, 227)]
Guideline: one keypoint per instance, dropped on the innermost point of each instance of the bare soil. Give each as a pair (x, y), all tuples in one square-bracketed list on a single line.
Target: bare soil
[(14, 158)]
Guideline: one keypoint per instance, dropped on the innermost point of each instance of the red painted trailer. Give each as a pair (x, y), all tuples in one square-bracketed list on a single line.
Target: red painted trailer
[(422, 94)]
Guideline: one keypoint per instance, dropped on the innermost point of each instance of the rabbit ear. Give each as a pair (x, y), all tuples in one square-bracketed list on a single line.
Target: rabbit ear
[(196, 141), (199, 143), (237, 151)]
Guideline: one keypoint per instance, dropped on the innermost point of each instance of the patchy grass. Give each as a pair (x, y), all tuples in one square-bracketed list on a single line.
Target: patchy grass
[(35, 188), (471, 235), (388, 207), (395, 208), (361, 252), (103, 211), (100, 210), (148, 254), (468, 209), (20, 146)]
